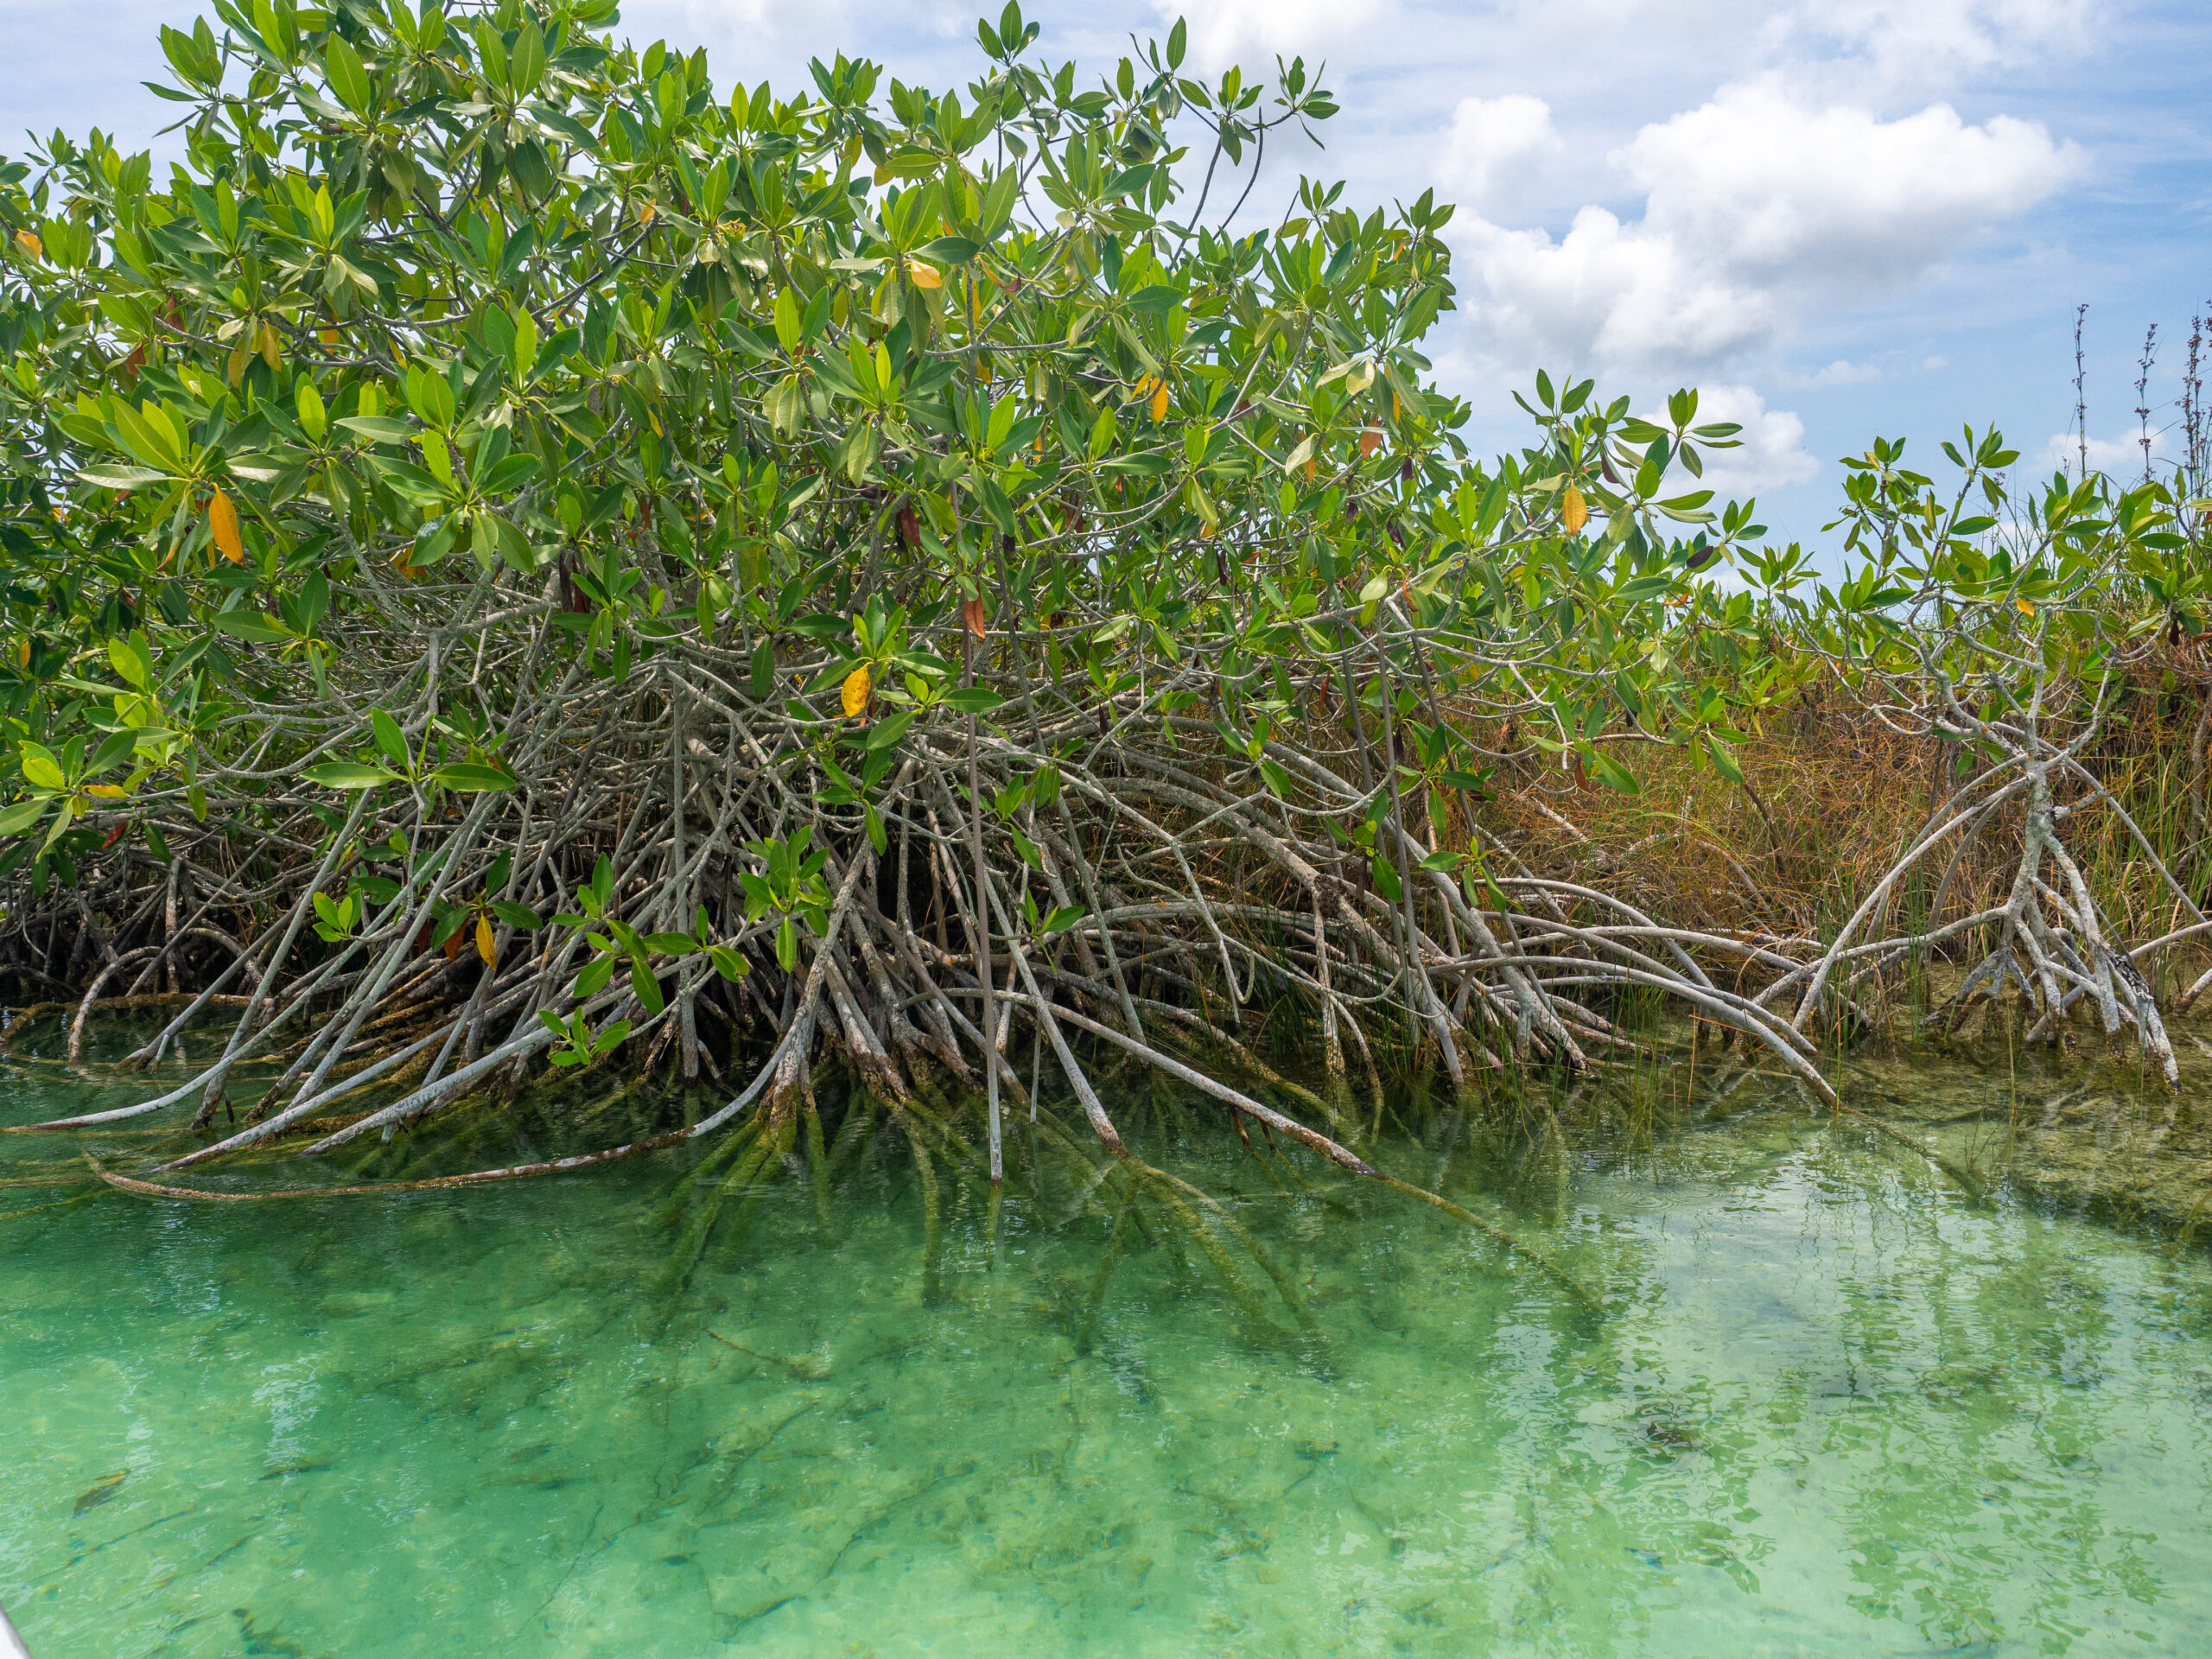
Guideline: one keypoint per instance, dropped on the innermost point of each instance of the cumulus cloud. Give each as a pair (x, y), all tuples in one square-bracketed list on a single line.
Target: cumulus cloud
[(1773, 188), (1912, 42), (1842, 372), (1228, 31), (1756, 205), (1772, 453), (2121, 455), (1493, 145)]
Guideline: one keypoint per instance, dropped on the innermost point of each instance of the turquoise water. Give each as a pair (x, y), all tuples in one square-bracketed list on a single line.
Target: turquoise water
[(1831, 1407)]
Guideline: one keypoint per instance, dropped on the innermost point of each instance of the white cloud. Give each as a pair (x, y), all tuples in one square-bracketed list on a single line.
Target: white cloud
[(1842, 373), (1494, 144), (1756, 206), (1773, 452), (1916, 42), (1771, 187), (1608, 293), (1230, 31), (2120, 455)]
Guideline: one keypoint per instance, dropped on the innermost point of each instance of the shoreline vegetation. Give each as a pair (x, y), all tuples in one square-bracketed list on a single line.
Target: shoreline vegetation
[(870, 604)]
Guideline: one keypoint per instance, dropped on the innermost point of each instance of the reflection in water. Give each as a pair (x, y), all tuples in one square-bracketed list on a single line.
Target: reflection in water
[(1831, 1407)]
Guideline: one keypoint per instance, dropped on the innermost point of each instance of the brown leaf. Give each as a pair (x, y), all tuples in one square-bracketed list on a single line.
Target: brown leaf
[(909, 527), (1370, 441), (971, 613)]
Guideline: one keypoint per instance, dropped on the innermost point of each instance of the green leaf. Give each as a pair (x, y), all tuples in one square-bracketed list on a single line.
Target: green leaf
[(122, 478), (468, 777), (973, 700), (382, 428), (1386, 880), (22, 817), (255, 626), (348, 79), (349, 774), (647, 988), (41, 768), (671, 945), (885, 733), (1610, 772), (112, 752), (1723, 761), (515, 915), (389, 737)]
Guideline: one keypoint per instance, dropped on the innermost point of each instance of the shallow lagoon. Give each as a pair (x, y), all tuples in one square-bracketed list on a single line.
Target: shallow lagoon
[(1832, 1405)]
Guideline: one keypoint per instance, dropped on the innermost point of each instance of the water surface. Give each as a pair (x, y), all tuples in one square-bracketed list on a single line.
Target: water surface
[(1831, 1406)]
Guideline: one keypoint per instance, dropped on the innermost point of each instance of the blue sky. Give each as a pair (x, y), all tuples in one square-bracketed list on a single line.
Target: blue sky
[(1840, 218)]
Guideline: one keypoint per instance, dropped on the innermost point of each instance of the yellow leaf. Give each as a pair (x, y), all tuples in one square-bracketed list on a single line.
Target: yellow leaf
[(1159, 401), (223, 520), (107, 792), (857, 684), (645, 212), (2026, 609), (328, 336), (29, 242), (485, 947), (22, 654), (1573, 513), (270, 350), (924, 275)]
